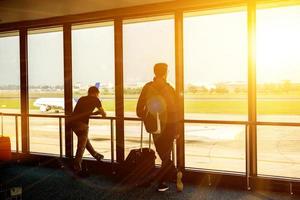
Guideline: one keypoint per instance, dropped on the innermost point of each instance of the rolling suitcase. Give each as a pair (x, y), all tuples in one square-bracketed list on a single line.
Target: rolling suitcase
[(5, 146), (139, 164)]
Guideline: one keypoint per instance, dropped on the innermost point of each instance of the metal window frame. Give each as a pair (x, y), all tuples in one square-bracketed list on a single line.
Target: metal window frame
[(68, 87), (119, 89), (23, 34)]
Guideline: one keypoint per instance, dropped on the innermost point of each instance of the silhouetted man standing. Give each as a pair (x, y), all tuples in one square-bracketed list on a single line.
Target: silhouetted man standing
[(80, 124), (160, 96)]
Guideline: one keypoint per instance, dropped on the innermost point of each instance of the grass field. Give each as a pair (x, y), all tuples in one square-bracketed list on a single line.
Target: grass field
[(214, 105)]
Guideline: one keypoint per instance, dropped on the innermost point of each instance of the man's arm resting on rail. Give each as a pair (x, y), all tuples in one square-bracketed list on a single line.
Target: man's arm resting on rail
[(100, 111)]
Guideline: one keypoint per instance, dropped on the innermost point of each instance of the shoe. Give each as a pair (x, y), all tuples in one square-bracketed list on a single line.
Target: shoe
[(162, 187), (99, 157), (76, 166), (80, 174), (179, 184)]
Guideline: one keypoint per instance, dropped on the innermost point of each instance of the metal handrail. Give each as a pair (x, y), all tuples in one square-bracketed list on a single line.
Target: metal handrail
[(258, 123), (196, 121), (277, 123), (10, 114)]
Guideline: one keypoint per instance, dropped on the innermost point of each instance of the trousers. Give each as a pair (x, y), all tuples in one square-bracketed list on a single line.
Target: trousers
[(164, 145), (82, 130)]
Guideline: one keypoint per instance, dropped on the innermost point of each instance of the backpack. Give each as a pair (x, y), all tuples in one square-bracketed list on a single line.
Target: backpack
[(155, 109), (152, 123)]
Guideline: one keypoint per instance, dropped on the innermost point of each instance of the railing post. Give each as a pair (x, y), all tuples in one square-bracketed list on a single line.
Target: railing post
[(60, 138), (17, 134), (291, 189), (112, 140), (247, 151), (173, 152), (1, 124), (141, 143)]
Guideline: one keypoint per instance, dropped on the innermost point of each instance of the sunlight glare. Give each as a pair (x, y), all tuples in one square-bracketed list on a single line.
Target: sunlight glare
[(278, 43)]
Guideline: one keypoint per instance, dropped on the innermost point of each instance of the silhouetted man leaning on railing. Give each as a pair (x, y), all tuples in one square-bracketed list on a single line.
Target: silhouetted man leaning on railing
[(80, 124)]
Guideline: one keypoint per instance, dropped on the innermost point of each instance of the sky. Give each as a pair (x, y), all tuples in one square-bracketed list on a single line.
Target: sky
[(278, 44), (93, 55), (9, 61), (215, 50)]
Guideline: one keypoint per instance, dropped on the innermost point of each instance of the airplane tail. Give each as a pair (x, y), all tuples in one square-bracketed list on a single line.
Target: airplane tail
[(97, 85)]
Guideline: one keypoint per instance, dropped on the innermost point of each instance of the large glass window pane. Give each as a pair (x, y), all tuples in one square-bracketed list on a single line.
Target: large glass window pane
[(278, 151), (9, 129), (145, 42), (93, 64), (44, 135), (278, 64), (46, 87), (217, 147), (46, 70), (9, 83), (215, 78), (100, 138), (9, 73), (278, 90)]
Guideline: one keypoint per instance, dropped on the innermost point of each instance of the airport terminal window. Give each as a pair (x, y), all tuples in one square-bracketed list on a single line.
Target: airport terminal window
[(93, 64), (145, 42), (215, 88), (9, 73), (9, 82), (278, 90), (46, 86), (46, 71)]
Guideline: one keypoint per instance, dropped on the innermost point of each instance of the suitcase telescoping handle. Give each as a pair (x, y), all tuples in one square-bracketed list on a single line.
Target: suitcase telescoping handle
[(1, 124), (142, 130)]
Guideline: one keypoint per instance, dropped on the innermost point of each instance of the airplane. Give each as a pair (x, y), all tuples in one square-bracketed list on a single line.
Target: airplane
[(57, 104), (47, 104)]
